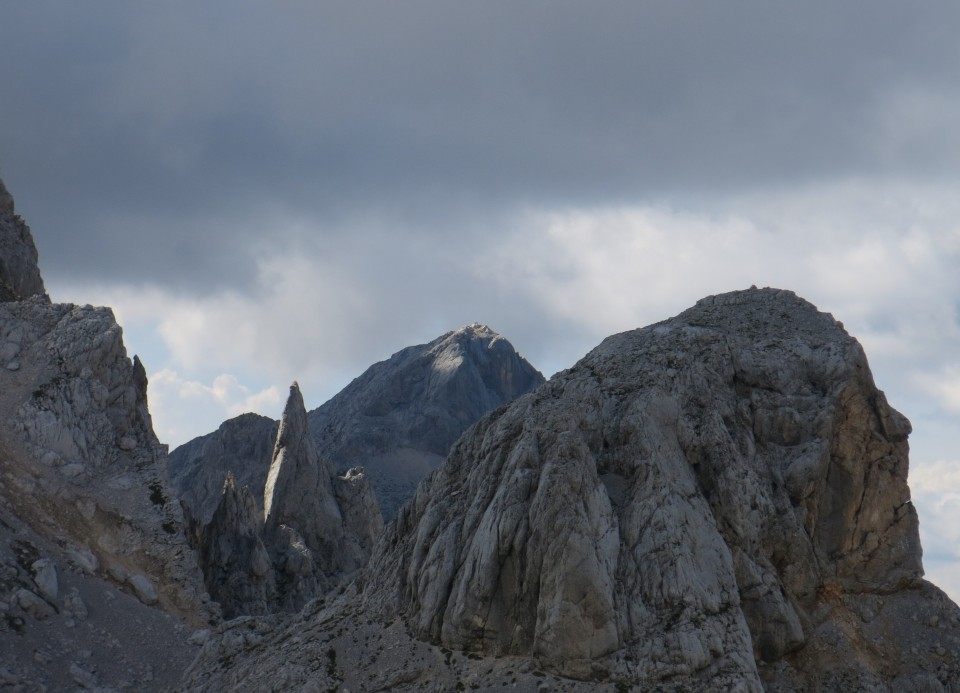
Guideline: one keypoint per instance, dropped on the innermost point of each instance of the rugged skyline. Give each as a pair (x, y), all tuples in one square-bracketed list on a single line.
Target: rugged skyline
[(295, 191)]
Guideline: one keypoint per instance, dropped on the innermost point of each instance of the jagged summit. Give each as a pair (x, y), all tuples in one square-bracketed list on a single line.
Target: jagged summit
[(19, 269), (298, 491), (315, 528), (93, 552), (400, 417)]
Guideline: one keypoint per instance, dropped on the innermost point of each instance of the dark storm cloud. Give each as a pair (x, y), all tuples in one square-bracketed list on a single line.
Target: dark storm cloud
[(154, 142)]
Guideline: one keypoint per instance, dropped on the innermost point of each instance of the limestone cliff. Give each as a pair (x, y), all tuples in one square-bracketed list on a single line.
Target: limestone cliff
[(93, 548), (302, 519), (718, 500)]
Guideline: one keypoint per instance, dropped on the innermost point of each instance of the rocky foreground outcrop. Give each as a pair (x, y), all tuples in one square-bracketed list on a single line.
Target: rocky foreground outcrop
[(92, 545), (715, 502), (719, 499)]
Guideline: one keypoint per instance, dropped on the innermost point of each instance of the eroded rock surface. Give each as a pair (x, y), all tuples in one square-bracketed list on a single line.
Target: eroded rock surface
[(303, 523), (708, 501), (314, 530)]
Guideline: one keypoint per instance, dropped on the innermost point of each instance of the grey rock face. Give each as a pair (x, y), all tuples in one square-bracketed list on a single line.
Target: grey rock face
[(314, 528), (704, 502), (242, 446), (64, 417), (237, 568), (96, 578), (302, 520), (19, 271), (358, 505), (400, 418)]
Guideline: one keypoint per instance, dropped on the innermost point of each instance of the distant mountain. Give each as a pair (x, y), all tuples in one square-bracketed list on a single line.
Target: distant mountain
[(397, 420)]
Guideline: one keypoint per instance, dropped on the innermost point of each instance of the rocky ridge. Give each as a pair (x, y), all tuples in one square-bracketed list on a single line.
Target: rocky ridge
[(714, 502), (241, 447), (93, 544)]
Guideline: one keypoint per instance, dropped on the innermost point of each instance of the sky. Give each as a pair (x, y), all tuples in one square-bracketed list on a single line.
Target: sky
[(289, 190)]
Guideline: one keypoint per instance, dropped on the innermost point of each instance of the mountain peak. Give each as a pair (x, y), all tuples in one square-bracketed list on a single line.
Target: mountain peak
[(296, 473), (401, 416)]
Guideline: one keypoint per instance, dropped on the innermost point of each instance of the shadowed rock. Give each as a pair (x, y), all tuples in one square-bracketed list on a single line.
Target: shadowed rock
[(242, 446), (19, 271), (238, 571)]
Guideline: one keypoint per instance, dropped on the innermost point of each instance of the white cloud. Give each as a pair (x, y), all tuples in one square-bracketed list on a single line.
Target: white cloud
[(944, 385), (935, 489), (183, 408)]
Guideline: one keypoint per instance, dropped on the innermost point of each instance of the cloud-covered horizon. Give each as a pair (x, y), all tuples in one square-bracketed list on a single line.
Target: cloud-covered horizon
[(270, 192)]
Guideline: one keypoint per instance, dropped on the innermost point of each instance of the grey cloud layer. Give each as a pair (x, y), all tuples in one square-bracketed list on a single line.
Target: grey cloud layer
[(154, 142)]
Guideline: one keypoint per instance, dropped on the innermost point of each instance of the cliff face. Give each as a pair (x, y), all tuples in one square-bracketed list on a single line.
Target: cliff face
[(313, 544), (715, 500), (241, 447), (86, 509)]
